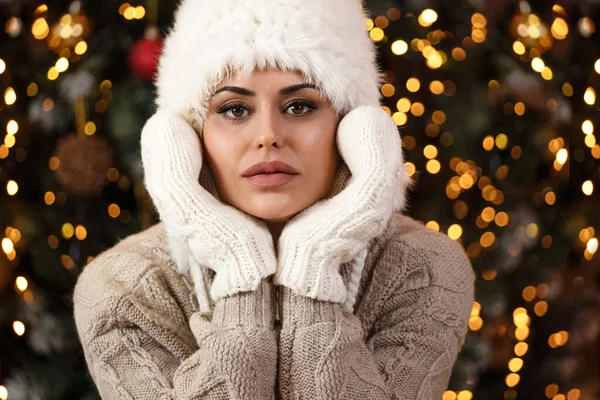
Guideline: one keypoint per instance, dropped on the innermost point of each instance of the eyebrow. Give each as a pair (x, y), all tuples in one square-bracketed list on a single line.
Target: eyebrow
[(283, 92)]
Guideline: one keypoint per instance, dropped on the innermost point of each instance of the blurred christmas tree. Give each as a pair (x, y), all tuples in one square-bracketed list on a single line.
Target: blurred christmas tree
[(497, 106), (76, 85), (496, 102)]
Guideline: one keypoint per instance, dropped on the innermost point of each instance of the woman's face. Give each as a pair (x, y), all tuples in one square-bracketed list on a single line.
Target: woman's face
[(271, 116)]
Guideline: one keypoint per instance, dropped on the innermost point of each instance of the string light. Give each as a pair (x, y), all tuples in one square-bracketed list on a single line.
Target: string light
[(10, 97), (21, 283), (427, 17), (590, 96), (12, 188), (19, 328), (40, 29), (399, 47)]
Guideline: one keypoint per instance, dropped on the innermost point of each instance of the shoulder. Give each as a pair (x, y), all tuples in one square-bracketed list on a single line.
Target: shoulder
[(407, 245), (407, 259), (116, 270), (136, 275)]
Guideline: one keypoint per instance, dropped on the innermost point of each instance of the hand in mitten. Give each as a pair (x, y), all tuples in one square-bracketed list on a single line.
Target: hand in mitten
[(201, 229), (333, 231)]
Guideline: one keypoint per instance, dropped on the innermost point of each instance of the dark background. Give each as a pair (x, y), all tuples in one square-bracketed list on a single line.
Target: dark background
[(504, 92)]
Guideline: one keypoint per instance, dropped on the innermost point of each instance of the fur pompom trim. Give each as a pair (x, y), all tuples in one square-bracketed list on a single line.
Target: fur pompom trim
[(325, 40)]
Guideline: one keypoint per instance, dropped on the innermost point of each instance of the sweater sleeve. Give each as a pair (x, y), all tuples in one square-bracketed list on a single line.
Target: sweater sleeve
[(408, 352), (235, 359)]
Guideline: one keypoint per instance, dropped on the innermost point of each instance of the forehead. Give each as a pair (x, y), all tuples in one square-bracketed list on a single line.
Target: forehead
[(263, 79)]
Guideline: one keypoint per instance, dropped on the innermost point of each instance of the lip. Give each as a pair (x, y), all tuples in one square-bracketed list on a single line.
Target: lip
[(271, 180), (270, 174), (269, 167)]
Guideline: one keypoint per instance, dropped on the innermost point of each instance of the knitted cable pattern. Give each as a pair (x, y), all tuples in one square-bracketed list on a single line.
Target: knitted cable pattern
[(412, 308)]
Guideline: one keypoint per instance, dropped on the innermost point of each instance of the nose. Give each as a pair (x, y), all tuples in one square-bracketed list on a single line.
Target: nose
[(268, 132)]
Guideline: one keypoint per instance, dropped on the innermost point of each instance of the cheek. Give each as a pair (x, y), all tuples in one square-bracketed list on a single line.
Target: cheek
[(221, 152), (319, 154), (217, 143)]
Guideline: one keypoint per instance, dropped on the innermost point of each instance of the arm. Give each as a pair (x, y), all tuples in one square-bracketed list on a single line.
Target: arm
[(236, 356), (411, 347)]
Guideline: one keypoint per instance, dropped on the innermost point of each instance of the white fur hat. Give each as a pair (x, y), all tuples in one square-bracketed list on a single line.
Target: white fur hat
[(326, 40)]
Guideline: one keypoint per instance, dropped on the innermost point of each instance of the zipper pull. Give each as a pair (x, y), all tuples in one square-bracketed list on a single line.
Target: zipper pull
[(280, 304), (275, 302)]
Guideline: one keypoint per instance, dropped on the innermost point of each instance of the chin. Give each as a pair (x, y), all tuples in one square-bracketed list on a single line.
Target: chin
[(271, 215), (274, 210)]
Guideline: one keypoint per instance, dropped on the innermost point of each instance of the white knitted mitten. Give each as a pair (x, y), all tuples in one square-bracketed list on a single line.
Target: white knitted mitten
[(333, 231), (202, 230)]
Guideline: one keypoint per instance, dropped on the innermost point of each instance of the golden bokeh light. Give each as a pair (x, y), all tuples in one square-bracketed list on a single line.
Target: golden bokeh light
[(433, 166), (433, 225), (590, 96), (427, 17), (21, 283), (7, 246), (10, 96), (455, 231), (519, 47), (417, 109), (592, 245), (459, 54), (40, 29), (400, 118), (399, 47), (12, 127), (567, 89), (515, 364), (430, 151), (537, 64), (114, 210), (521, 349), (89, 128), (80, 232), (19, 328), (587, 188), (12, 188), (376, 34), (529, 293), (67, 231), (551, 390), (559, 29), (81, 48), (512, 379), (561, 156), (540, 308), (413, 85), (587, 127), (410, 168), (501, 141), (62, 64), (403, 105)]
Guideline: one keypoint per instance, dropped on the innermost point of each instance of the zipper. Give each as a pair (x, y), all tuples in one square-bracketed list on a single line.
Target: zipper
[(278, 309), (278, 312)]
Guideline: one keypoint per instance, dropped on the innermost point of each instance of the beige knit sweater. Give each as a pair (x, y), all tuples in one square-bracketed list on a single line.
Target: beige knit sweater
[(143, 337)]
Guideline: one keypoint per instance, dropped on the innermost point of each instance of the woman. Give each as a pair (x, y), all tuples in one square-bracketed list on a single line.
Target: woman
[(282, 267)]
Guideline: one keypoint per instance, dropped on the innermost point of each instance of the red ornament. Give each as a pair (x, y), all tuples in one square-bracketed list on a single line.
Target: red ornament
[(144, 55)]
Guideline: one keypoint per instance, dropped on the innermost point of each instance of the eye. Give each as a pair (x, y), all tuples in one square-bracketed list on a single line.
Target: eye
[(234, 111), (300, 108)]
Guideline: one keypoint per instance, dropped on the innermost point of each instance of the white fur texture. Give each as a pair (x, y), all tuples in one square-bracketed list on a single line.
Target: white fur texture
[(326, 40)]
